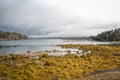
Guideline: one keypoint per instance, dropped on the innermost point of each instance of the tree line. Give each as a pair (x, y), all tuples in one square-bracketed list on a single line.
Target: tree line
[(112, 35), (11, 35)]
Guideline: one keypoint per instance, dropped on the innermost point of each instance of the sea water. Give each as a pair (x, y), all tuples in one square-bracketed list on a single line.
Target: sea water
[(35, 45)]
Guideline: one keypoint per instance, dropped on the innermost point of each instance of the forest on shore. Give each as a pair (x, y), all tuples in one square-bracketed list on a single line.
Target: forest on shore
[(112, 35), (11, 36)]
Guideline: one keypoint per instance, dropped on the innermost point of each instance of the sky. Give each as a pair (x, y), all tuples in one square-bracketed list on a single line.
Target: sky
[(59, 18)]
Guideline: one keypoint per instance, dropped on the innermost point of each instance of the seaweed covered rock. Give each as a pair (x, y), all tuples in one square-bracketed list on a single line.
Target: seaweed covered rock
[(68, 67)]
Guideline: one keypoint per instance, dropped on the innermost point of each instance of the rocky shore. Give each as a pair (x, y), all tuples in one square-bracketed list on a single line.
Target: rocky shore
[(42, 66)]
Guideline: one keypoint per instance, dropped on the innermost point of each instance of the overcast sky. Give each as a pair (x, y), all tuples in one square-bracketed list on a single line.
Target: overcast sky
[(59, 18)]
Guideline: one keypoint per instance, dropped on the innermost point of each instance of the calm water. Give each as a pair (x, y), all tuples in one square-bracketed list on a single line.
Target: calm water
[(34, 45)]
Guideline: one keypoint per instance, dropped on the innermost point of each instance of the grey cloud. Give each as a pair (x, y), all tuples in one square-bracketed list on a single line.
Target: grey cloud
[(59, 17), (106, 26)]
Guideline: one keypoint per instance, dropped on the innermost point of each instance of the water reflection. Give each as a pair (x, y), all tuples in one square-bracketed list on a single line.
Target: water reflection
[(14, 46)]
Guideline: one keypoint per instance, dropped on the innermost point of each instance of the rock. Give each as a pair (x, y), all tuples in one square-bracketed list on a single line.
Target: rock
[(117, 54), (28, 51)]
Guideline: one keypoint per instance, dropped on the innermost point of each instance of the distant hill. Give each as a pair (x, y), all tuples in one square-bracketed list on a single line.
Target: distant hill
[(112, 35), (11, 36)]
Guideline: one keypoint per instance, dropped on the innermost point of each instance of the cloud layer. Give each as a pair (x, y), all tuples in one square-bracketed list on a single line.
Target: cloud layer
[(59, 17)]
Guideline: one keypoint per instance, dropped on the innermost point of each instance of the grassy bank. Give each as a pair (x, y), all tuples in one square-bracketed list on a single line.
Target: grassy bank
[(39, 66)]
